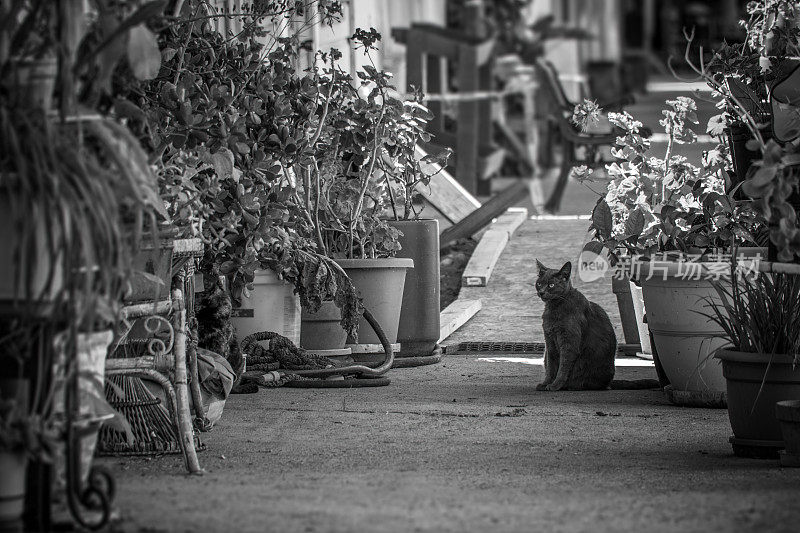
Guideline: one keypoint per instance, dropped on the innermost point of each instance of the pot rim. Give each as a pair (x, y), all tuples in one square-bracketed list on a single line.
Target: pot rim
[(663, 267), (387, 262), (734, 356)]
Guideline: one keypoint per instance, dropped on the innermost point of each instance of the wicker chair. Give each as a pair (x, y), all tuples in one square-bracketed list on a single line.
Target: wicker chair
[(169, 360)]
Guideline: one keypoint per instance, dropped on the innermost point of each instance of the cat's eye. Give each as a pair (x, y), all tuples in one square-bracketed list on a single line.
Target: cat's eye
[(552, 285)]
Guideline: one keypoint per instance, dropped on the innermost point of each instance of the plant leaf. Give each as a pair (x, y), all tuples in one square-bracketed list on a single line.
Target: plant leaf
[(602, 219), (635, 223), (223, 163)]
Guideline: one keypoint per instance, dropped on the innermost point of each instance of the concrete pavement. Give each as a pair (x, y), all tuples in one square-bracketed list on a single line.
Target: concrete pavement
[(465, 445)]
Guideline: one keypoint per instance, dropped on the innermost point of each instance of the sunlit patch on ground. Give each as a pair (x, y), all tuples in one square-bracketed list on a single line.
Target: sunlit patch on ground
[(539, 361)]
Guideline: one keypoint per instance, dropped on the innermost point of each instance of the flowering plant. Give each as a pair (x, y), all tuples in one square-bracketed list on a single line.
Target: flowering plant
[(745, 78), (661, 204)]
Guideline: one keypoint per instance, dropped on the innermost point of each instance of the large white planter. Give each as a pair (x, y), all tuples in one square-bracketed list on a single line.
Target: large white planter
[(271, 306), (684, 338)]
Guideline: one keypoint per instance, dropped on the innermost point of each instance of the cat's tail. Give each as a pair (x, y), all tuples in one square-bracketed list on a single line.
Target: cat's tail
[(634, 384)]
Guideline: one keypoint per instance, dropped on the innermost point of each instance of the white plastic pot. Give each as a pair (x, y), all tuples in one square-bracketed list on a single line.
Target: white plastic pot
[(271, 306)]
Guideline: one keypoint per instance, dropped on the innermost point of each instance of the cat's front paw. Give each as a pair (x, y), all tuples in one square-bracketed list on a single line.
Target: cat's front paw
[(542, 386), (554, 386)]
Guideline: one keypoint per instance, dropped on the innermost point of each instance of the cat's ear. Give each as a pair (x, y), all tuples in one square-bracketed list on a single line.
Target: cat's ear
[(541, 267), (566, 270)]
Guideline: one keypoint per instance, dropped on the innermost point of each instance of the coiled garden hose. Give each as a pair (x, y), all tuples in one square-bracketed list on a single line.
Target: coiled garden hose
[(362, 370)]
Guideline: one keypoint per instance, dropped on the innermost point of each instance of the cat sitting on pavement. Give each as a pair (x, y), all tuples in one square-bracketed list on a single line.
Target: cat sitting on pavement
[(580, 344)]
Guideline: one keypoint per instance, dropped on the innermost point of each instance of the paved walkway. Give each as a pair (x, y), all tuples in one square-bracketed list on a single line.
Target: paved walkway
[(467, 445), (511, 310)]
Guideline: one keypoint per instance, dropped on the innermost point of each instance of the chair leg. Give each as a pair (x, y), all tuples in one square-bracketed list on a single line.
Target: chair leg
[(184, 417), (547, 135), (554, 202), (200, 421)]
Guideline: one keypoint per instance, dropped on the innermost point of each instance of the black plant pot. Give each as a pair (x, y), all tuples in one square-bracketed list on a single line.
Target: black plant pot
[(634, 73), (418, 332), (738, 134), (605, 81)]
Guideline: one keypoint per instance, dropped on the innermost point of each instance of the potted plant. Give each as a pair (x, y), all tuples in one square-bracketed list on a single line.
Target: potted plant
[(674, 215), (230, 120), (364, 142), (77, 194), (760, 317), (756, 82), (408, 168)]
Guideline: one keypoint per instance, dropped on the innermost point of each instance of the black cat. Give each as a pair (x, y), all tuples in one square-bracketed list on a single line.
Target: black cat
[(215, 329), (580, 344)]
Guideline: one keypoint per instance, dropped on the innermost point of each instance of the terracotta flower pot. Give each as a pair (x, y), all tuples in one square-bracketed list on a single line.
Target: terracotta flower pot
[(152, 267), (637, 300), (678, 301), (621, 288), (684, 338)]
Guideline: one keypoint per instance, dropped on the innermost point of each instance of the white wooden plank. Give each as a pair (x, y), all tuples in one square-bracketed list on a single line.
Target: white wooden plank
[(484, 258), (456, 315), (510, 220)]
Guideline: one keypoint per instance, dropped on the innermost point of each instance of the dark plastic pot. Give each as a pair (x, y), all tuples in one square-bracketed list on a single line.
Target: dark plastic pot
[(772, 250), (12, 487), (634, 73), (755, 382), (418, 332), (788, 414), (627, 314), (738, 135), (321, 330), (380, 284), (153, 259), (605, 81)]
